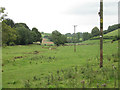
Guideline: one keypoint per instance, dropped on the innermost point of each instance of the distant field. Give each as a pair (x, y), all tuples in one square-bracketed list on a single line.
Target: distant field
[(46, 34), (96, 41), (108, 35), (113, 33), (35, 66)]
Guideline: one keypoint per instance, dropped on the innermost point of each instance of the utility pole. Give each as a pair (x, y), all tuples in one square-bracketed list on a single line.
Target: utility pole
[(101, 33), (74, 38)]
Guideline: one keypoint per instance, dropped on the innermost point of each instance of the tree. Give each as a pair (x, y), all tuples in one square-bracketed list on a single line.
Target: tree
[(21, 24), (34, 35), (69, 37), (27, 36), (95, 32), (2, 13), (8, 34), (37, 35), (24, 36), (58, 38), (9, 22), (111, 28), (19, 33), (86, 36), (68, 34), (63, 39), (78, 36)]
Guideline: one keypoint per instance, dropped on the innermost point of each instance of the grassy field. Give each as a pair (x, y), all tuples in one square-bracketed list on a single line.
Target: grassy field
[(109, 35), (35, 66), (113, 33)]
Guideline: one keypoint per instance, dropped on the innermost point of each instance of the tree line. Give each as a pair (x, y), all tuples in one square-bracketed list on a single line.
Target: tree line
[(79, 37), (18, 33), (59, 38)]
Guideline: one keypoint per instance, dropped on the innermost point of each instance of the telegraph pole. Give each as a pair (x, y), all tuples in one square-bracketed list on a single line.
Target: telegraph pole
[(101, 33), (74, 38)]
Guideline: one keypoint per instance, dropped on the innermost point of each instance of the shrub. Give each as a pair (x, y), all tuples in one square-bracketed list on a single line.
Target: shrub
[(11, 44)]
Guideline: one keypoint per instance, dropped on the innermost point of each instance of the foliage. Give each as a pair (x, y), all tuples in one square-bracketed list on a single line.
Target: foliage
[(58, 38), (37, 35), (2, 13), (68, 34), (19, 33), (71, 38), (21, 24), (9, 22), (8, 34), (113, 35), (111, 28), (86, 36), (2, 10), (95, 32), (115, 38), (78, 36), (24, 35)]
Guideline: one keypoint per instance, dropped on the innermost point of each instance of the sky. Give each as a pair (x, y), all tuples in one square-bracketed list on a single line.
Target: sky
[(61, 15)]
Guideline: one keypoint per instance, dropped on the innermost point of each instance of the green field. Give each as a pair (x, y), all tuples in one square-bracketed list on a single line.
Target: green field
[(113, 33), (109, 35), (35, 66)]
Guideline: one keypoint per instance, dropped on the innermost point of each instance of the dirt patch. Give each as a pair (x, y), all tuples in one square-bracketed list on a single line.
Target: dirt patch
[(2, 64), (18, 57), (36, 52), (52, 48)]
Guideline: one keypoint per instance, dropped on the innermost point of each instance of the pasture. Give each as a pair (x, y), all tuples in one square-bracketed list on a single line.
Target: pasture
[(37, 66)]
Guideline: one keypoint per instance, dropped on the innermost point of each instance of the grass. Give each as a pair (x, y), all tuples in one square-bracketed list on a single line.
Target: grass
[(96, 41), (113, 33), (35, 66), (109, 35)]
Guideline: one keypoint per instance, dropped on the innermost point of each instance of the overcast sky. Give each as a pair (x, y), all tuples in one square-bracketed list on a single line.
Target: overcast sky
[(61, 15)]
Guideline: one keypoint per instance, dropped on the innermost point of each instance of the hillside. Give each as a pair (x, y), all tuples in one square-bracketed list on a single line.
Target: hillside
[(107, 38), (113, 33), (109, 35)]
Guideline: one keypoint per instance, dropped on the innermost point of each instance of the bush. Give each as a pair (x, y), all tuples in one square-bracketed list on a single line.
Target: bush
[(11, 44), (115, 38), (4, 45)]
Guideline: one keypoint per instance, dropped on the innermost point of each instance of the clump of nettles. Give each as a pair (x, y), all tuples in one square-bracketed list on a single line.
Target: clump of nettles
[(104, 85), (83, 83), (97, 85)]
